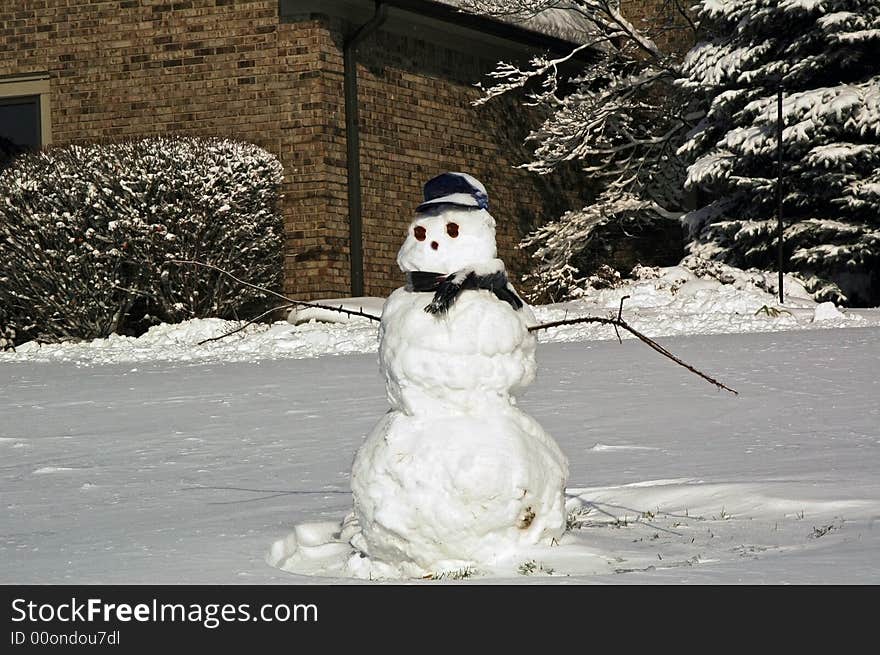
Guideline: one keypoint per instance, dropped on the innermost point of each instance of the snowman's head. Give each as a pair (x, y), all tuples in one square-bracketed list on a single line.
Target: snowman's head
[(447, 240), (452, 229)]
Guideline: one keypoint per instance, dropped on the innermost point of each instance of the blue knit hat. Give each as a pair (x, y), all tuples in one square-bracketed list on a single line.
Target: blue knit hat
[(454, 189)]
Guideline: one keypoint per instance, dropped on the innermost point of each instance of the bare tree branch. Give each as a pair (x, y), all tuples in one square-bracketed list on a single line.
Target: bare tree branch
[(615, 322), (620, 322), (291, 301)]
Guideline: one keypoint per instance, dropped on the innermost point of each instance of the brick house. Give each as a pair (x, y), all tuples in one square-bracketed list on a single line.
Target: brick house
[(361, 101)]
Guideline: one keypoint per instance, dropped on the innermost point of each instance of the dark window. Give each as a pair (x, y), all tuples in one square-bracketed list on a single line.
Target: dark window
[(20, 121)]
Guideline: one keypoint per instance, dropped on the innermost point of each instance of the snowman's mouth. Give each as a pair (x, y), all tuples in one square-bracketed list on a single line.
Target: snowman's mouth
[(434, 245)]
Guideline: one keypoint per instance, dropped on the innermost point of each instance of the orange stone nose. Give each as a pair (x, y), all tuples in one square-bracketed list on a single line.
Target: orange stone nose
[(434, 245)]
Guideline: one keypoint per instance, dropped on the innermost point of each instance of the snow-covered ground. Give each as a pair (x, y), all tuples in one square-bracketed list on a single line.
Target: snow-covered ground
[(674, 303), (155, 461)]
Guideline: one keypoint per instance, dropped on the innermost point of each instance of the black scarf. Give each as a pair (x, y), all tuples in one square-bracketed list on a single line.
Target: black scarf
[(448, 287)]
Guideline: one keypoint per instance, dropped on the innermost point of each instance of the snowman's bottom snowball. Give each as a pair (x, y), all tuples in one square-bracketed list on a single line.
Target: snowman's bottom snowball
[(450, 490), (438, 495)]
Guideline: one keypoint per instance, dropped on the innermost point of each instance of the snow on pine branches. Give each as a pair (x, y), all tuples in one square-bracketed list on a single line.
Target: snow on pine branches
[(823, 53), (620, 117), (87, 232)]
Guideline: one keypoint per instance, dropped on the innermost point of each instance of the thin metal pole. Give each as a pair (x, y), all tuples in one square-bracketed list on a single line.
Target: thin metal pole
[(779, 187), (353, 146)]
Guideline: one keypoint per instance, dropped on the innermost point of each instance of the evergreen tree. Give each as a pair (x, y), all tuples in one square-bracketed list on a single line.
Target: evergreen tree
[(824, 53)]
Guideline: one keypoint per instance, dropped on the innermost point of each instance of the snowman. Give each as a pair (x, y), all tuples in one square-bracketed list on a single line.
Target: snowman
[(455, 475)]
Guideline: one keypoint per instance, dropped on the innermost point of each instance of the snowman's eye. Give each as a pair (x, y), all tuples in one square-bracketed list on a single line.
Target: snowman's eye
[(419, 233), (452, 229)]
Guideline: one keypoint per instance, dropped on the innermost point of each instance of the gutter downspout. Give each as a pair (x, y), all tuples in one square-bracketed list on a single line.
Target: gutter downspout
[(353, 145)]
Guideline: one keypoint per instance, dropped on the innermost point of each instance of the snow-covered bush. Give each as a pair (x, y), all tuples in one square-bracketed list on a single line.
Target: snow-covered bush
[(88, 235), (824, 54)]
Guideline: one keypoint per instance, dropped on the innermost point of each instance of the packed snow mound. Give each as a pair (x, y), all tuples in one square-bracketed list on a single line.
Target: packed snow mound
[(327, 313), (826, 311), (679, 290), (662, 302), (675, 301), (450, 491), (191, 341)]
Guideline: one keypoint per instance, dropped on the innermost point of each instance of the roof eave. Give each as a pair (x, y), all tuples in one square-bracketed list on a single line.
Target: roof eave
[(470, 27)]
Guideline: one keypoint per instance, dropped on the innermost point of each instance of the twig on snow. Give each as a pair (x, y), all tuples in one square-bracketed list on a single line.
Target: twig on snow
[(244, 325)]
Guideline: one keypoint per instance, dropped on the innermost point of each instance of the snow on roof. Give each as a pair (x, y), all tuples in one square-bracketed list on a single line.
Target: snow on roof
[(560, 20)]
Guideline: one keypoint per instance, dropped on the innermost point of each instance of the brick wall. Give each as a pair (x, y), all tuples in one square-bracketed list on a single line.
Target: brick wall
[(416, 120), (129, 68), (134, 67), (662, 21)]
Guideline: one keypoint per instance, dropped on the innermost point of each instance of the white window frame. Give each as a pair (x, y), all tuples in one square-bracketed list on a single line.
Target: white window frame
[(32, 84)]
